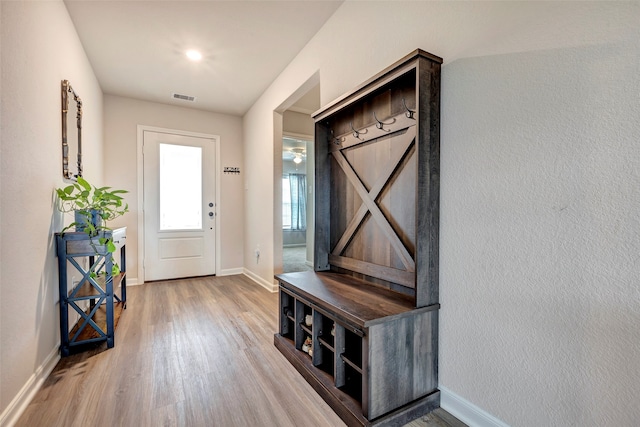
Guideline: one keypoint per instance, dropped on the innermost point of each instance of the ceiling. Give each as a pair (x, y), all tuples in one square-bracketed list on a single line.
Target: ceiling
[(137, 48)]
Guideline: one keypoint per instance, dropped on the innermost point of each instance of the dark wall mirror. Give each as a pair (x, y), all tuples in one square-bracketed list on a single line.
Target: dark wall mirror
[(71, 132)]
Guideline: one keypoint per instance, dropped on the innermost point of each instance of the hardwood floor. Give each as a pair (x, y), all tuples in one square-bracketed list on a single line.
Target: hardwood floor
[(196, 352)]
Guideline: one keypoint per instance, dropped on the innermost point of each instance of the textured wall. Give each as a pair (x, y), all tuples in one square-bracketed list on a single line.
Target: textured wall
[(39, 49), (540, 192), (540, 243)]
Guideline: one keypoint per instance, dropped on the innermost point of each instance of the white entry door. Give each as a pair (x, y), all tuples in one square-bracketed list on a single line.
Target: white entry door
[(179, 206)]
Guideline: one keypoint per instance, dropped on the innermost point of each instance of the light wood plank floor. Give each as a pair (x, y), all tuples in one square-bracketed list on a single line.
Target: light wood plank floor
[(196, 352)]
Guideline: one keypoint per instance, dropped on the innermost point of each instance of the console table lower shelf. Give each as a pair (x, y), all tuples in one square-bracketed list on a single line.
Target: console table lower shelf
[(100, 319)]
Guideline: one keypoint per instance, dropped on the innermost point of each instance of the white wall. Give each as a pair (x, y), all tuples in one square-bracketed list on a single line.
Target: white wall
[(540, 193), (298, 123), (123, 115), (39, 48)]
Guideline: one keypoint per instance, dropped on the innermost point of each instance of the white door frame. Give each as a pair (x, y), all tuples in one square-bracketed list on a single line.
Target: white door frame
[(140, 170)]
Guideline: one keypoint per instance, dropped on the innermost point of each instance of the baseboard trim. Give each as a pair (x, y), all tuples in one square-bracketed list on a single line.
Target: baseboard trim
[(133, 281), (230, 271), (271, 287), (466, 411), (12, 413)]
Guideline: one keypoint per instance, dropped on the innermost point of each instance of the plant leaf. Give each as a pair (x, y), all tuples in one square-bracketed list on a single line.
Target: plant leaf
[(84, 183)]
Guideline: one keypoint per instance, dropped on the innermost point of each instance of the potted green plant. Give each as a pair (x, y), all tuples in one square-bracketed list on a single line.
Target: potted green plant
[(93, 207)]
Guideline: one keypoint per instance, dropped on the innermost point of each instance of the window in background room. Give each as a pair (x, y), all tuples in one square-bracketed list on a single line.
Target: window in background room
[(298, 201), (286, 203)]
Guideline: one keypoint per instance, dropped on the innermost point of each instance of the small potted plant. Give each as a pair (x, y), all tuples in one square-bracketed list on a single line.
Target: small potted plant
[(93, 207)]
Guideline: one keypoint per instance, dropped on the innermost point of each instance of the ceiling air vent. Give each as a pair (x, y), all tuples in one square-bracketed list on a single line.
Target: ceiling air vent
[(184, 97)]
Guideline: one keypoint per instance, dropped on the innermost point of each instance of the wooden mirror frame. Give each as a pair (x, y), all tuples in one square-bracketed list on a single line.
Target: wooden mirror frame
[(66, 91)]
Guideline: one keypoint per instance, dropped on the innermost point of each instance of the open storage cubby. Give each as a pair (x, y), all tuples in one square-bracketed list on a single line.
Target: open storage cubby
[(352, 382), (326, 332), (287, 319), (352, 350), (303, 331), (375, 279)]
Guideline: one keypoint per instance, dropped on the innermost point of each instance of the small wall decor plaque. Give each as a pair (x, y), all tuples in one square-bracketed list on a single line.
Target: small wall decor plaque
[(229, 169)]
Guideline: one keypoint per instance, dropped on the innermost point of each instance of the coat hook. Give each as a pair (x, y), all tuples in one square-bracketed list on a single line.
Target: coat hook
[(336, 140), (333, 138), (408, 113), (355, 132), (380, 124)]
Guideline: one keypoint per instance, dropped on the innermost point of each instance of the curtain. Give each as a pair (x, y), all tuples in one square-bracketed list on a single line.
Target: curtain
[(298, 186)]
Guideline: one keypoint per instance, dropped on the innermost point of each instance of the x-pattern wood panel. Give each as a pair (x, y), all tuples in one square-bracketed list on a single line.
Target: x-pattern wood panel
[(87, 319), (100, 296), (369, 199), (97, 266)]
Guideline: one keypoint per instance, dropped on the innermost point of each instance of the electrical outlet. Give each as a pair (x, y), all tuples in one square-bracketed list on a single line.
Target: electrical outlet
[(257, 254), (74, 281)]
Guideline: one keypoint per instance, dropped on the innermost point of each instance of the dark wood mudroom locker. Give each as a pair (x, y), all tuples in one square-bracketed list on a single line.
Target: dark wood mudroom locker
[(363, 327)]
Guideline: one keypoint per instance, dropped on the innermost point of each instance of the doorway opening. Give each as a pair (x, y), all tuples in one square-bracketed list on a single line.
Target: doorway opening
[(294, 180), (296, 193)]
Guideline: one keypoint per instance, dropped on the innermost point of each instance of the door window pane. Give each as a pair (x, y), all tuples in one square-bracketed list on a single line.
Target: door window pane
[(180, 187)]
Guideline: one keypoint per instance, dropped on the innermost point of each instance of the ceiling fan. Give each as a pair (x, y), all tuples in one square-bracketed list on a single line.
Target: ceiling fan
[(297, 154)]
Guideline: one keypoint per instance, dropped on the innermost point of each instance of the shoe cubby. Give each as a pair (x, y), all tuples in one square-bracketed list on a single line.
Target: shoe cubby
[(304, 326), (287, 319), (323, 348), (352, 382), (326, 332), (352, 354)]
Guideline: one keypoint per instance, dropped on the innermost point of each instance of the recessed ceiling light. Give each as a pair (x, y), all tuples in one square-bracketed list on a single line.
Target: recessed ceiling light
[(194, 55)]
